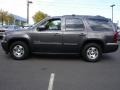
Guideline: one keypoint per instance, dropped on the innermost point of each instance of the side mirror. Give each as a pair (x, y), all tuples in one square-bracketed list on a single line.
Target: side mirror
[(40, 28)]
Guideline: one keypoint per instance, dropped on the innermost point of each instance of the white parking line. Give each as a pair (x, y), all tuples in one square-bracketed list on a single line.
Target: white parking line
[(50, 87)]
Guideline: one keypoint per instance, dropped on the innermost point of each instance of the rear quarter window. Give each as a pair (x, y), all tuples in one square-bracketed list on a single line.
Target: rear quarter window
[(100, 25)]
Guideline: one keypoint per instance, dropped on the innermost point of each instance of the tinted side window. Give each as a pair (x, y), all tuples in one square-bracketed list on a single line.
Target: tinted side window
[(100, 25), (74, 24)]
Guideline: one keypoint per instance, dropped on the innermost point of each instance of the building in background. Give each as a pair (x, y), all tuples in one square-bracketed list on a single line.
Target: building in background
[(18, 20)]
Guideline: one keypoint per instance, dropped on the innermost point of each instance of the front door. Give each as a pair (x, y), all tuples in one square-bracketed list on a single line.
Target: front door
[(49, 39)]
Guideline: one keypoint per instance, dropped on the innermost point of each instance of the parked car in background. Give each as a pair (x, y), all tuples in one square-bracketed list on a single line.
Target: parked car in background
[(118, 33), (117, 28), (2, 30), (26, 26), (6, 28), (12, 27)]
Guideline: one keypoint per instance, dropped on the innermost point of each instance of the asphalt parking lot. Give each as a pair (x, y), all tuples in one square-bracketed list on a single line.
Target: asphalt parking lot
[(71, 72)]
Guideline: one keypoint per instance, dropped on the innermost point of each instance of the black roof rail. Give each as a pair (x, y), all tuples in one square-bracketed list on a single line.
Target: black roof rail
[(73, 15)]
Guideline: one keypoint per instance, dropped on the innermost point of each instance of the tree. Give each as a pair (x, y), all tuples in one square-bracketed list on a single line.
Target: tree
[(5, 17), (9, 19), (39, 16)]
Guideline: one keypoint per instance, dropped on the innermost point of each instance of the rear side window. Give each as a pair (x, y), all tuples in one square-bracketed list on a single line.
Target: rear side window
[(74, 24), (100, 25)]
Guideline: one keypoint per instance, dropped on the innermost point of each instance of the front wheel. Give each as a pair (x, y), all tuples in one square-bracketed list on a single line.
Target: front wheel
[(91, 52), (19, 50)]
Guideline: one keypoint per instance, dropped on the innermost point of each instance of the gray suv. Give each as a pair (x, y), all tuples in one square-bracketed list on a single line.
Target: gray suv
[(89, 36)]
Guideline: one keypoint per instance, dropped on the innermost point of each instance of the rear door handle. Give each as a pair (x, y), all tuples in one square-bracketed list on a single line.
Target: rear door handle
[(82, 34)]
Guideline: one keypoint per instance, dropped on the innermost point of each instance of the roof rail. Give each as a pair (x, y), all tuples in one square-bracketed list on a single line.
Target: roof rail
[(73, 14)]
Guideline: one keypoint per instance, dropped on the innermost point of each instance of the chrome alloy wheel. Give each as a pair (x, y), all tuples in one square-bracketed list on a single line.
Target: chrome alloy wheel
[(18, 51), (92, 53)]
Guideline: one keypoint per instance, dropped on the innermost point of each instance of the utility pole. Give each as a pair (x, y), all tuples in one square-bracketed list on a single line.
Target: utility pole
[(28, 2), (112, 10)]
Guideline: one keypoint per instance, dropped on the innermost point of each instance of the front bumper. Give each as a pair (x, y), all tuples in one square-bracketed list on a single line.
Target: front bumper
[(110, 47), (4, 45)]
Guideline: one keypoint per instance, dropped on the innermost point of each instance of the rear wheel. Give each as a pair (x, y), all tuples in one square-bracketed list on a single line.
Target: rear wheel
[(19, 50), (91, 52)]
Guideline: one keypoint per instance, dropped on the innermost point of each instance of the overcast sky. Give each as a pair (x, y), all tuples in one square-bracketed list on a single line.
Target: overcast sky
[(63, 7)]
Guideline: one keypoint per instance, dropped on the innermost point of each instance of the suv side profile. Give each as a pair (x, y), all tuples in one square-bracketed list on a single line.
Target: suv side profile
[(90, 36)]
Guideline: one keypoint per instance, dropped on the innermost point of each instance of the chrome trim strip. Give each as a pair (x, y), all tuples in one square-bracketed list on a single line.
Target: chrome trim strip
[(111, 43), (70, 44), (47, 43)]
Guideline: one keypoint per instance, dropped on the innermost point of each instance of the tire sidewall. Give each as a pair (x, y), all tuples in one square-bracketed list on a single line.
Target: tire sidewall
[(26, 50)]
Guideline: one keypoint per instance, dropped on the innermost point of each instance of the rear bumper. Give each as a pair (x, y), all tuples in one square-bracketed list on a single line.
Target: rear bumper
[(5, 46), (110, 47)]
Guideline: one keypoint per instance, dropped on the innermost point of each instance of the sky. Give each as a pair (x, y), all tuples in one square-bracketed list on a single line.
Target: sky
[(63, 7)]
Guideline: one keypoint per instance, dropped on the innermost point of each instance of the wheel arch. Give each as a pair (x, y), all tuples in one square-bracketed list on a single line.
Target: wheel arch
[(96, 41), (26, 41)]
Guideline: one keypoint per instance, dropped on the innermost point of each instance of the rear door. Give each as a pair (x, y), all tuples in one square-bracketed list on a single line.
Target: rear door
[(73, 35)]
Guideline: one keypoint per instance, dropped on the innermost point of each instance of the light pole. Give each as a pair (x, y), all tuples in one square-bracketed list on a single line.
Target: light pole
[(28, 2), (112, 10)]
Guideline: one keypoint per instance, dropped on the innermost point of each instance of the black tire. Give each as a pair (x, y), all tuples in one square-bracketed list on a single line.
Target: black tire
[(24, 50), (88, 55)]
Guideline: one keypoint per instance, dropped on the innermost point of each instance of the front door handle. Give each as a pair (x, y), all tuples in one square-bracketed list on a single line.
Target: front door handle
[(57, 34)]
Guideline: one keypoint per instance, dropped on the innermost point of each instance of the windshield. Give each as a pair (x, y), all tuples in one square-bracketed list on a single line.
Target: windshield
[(37, 24)]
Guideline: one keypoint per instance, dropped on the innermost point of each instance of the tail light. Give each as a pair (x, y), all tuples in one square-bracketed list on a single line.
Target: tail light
[(115, 37)]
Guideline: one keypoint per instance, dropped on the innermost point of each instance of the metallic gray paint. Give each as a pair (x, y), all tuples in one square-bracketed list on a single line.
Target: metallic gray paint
[(61, 41)]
